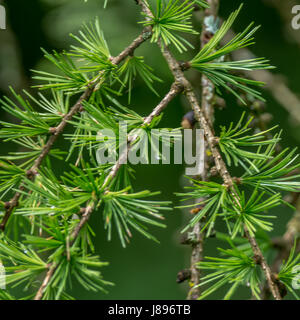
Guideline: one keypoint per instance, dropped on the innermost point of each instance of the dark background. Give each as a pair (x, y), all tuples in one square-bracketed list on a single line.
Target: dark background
[(146, 270)]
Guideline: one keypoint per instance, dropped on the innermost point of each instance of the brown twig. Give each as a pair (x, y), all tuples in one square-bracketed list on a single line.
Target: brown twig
[(174, 91), (208, 108), (196, 257), (210, 138), (84, 219), (56, 132), (49, 275), (285, 243), (53, 266)]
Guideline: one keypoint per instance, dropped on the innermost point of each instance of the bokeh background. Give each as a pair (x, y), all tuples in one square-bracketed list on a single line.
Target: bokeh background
[(146, 270)]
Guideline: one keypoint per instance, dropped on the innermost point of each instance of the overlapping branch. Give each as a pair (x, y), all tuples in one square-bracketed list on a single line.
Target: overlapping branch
[(104, 188), (221, 167), (208, 108), (56, 132), (173, 92)]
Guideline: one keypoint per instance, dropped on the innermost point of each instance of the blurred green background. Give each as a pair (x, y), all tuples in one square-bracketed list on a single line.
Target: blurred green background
[(146, 270)]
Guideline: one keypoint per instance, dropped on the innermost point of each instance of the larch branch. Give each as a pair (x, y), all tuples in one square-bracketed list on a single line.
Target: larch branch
[(208, 108), (56, 132), (174, 91), (210, 138)]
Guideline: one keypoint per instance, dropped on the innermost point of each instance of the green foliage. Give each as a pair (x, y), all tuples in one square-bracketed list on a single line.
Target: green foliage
[(250, 213), (52, 198), (134, 66), (77, 187), (91, 124), (32, 123), (81, 268), (10, 175), (267, 171), (4, 295), (25, 264), (94, 51), (54, 207), (232, 139), (289, 272), (215, 197), (236, 269), (211, 60), (170, 18), (130, 210), (202, 3), (70, 80), (98, 129), (279, 172), (31, 150)]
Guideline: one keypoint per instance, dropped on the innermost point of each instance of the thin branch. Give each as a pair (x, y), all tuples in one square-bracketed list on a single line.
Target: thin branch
[(56, 132), (285, 243), (49, 275), (84, 219), (53, 266), (196, 257), (174, 91), (207, 100), (220, 164)]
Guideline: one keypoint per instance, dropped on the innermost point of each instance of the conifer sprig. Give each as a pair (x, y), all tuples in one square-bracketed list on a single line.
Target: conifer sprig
[(277, 173), (236, 269), (11, 205), (93, 50), (121, 207), (132, 67), (233, 139), (71, 80), (58, 210), (129, 210), (250, 213), (289, 272), (170, 18), (215, 197), (211, 60), (178, 74)]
